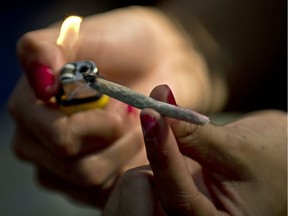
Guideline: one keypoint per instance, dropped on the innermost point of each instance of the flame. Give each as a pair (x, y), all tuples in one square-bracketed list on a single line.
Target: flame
[(69, 31)]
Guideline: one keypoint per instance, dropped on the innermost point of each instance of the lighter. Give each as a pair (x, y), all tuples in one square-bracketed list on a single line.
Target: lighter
[(75, 94)]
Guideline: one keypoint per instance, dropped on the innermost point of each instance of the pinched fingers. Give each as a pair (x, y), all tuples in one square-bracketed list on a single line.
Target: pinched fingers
[(176, 188), (212, 146)]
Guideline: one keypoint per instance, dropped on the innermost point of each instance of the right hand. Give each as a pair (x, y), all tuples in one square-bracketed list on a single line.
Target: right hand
[(236, 169), (82, 155)]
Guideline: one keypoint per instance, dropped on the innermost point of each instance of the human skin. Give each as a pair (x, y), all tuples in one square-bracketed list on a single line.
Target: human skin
[(235, 169), (74, 154), (83, 154)]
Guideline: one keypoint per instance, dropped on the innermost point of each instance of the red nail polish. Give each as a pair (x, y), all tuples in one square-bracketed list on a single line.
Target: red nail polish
[(150, 126), (171, 98), (41, 80), (131, 110)]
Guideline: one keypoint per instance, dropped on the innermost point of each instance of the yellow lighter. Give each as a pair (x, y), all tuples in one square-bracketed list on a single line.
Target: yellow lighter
[(75, 95)]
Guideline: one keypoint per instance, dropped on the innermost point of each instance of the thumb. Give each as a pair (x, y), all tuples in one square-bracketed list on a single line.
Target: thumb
[(41, 58), (212, 146)]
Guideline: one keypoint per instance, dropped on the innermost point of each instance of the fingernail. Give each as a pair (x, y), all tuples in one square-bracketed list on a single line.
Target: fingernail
[(171, 98), (42, 81), (131, 110), (150, 127)]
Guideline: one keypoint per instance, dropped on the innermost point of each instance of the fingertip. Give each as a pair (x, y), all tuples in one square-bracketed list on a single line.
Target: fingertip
[(170, 97), (43, 81), (163, 93), (149, 124), (160, 142), (155, 132), (41, 59)]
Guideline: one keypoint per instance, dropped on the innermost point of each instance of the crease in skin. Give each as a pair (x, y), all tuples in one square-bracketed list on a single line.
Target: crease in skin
[(212, 155)]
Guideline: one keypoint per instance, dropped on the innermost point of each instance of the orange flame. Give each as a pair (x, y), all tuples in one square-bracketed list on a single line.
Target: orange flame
[(69, 32)]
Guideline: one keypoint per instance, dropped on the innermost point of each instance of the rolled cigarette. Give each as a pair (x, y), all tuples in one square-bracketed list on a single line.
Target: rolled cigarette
[(141, 101)]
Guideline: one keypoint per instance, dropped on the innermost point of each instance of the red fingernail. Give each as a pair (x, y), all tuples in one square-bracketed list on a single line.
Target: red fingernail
[(42, 79), (131, 110), (171, 98), (149, 126)]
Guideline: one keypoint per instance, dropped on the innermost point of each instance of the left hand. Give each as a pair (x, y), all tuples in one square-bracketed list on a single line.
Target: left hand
[(235, 169), (83, 154)]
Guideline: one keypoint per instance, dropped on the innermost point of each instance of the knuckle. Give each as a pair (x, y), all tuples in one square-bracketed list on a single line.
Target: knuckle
[(63, 141), (116, 124), (91, 172), (179, 204), (27, 41), (191, 134)]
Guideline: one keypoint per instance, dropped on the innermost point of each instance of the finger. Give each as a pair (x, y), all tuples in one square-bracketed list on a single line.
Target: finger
[(95, 129), (174, 183), (68, 136), (41, 59), (216, 147), (94, 170), (163, 93), (105, 33), (133, 195)]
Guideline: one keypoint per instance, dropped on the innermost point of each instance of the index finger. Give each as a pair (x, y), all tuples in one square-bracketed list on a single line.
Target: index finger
[(41, 59)]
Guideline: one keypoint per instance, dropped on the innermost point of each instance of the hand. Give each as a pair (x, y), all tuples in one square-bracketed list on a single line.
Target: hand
[(82, 155), (235, 169), (134, 46)]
